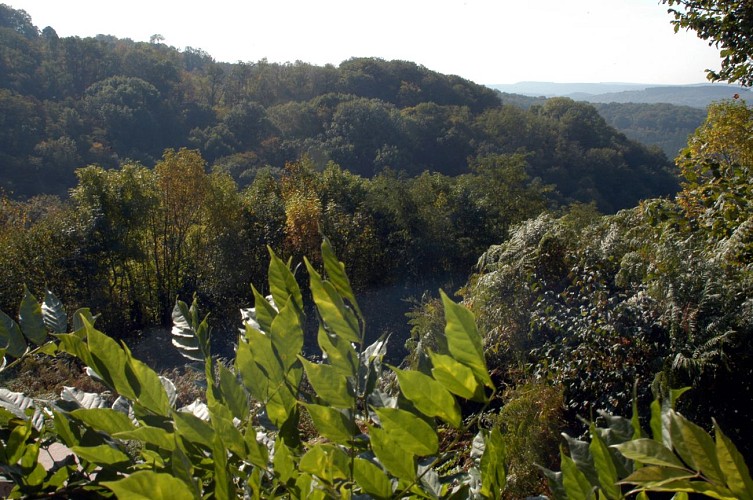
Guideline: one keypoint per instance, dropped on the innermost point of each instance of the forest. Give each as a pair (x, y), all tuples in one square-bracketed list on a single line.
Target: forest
[(585, 278)]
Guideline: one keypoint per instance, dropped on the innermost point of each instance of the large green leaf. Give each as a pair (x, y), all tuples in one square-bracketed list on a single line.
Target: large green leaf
[(372, 480), (456, 377), (233, 394), (653, 476), (327, 462), (30, 318), (79, 316), (149, 485), (391, 455), (464, 340), (223, 485), (257, 378), (331, 386), (265, 313), (155, 436), (332, 424), (193, 429), (338, 318), (109, 361), (695, 447), (429, 396), (11, 337), (53, 314), (257, 452), (413, 433)]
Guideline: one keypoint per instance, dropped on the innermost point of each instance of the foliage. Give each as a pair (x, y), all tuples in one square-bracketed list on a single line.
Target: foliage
[(246, 439), (727, 25)]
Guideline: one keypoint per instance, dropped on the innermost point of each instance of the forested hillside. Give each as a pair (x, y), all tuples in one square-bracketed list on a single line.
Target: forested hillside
[(70, 102)]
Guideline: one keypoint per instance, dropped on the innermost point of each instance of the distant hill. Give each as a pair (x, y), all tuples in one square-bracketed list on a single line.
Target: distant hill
[(696, 96)]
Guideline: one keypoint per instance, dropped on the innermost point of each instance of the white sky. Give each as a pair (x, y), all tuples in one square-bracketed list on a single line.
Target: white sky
[(486, 41)]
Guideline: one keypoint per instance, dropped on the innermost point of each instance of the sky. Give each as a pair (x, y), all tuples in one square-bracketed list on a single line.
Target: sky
[(486, 41)]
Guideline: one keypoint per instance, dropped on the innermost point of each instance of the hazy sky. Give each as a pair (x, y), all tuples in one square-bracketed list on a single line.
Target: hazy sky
[(487, 41)]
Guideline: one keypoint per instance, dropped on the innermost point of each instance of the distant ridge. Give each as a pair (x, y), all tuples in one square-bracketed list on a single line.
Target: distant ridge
[(695, 95)]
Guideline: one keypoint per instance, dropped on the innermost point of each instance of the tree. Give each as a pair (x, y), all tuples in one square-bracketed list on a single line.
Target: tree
[(725, 24)]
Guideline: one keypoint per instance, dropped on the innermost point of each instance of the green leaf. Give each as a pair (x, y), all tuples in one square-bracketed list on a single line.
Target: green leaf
[(257, 452), (79, 316), (284, 466), (605, 468), (336, 275), (109, 361), (332, 424), (30, 318), (372, 479), (53, 313), (331, 385), (736, 473), (155, 436), (493, 476), (11, 337), (654, 476), (148, 485), (102, 455), (223, 485), (648, 451), (265, 313), (147, 386), (695, 447), (338, 318), (256, 377), (282, 283), (340, 353), (326, 461), (574, 481), (429, 396), (287, 335), (456, 377), (193, 429), (392, 457), (413, 433), (104, 419), (232, 392), (464, 340)]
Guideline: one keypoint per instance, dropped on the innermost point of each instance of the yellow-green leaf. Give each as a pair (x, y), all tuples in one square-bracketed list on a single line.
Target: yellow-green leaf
[(732, 463), (456, 377), (149, 485), (429, 396), (332, 423), (330, 384), (372, 480), (464, 340), (413, 433), (327, 462), (399, 462)]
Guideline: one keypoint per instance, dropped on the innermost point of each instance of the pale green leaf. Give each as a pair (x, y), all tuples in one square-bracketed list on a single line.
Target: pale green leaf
[(413, 433), (429, 396), (155, 436), (149, 485)]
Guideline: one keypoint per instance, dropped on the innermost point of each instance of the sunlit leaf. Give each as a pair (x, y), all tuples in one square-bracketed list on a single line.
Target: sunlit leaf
[(464, 340), (413, 433), (53, 313), (149, 485), (30, 318), (332, 424), (371, 479), (429, 396)]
